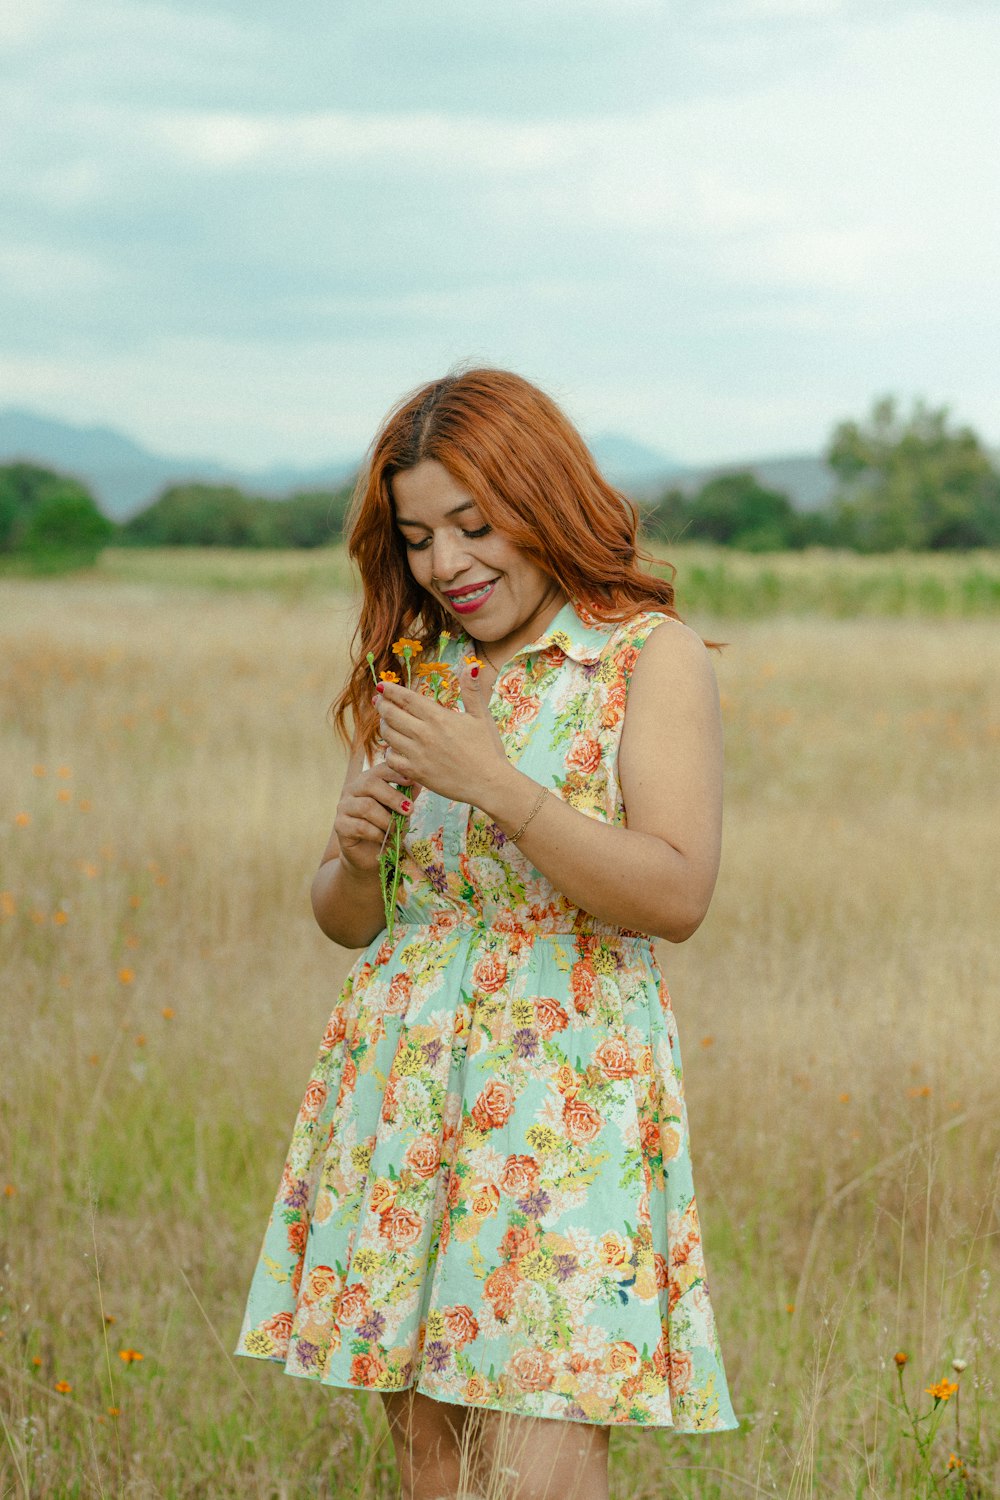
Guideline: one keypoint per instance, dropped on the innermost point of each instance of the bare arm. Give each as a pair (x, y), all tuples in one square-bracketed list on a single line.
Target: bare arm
[(658, 873)]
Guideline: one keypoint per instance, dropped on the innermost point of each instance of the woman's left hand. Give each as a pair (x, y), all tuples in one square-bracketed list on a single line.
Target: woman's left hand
[(458, 755)]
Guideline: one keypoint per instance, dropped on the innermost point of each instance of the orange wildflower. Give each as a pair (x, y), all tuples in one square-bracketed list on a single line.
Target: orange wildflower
[(901, 1359), (114, 1411), (388, 677), (129, 1356), (64, 771), (36, 1360), (22, 819), (473, 661), (405, 647), (943, 1390), (59, 918), (84, 804), (126, 976), (38, 770), (9, 1190), (167, 1013), (140, 1040), (63, 1387), (64, 794)]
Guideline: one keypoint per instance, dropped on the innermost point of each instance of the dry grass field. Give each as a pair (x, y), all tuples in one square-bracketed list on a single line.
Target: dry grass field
[(169, 781)]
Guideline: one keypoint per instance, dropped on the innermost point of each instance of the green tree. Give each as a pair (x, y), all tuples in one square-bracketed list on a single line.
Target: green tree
[(197, 515), (738, 511), (913, 482), (50, 517)]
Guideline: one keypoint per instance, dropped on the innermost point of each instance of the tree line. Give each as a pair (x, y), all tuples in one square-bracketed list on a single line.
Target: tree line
[(911, 481)]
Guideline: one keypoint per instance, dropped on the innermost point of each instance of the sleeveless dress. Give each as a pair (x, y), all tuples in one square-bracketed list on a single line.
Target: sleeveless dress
[(488, 1193)]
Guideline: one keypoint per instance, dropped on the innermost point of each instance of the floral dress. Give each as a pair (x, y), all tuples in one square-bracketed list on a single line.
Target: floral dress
[(488, 1192)]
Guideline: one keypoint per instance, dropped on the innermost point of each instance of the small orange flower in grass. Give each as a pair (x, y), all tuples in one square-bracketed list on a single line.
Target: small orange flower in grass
[(9, 1190), (22, 819), (60, 918), (36, 1360), (129, 1356), (126, 976), (64, 794), (8, 906), (114, 1411), (140, 1040), (943, 1390), (708, 1041), (844, 1098), (923, 1092), (109, 1318), (135, 901), (84, 804), (167, 1013), (38, 770), (789, 1307), (94, 1058), (64, 772), (63, 1387), (901, 1359)]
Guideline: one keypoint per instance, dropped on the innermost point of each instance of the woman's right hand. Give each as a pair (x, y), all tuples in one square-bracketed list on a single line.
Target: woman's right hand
[(365, 809)]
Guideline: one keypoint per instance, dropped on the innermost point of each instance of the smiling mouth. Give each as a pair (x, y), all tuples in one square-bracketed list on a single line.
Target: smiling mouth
[(469, 598)]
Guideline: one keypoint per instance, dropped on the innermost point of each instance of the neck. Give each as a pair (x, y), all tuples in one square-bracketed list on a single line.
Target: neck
[(537, 622)]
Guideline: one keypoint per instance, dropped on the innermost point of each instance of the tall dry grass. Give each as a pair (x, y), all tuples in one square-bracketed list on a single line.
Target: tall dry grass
[(168, 785)]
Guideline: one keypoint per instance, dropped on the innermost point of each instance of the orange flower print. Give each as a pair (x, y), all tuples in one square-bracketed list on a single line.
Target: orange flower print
[(532, 1369), (367, 1370), (583, 984), (519, 1176), (423, 1157), (460, 1325), (494, 1105), (383, 1196), (550, 1016), (353, 1306), (584, 755), (614, 1059), (401, 1227), (581, 1121), (490, 973)]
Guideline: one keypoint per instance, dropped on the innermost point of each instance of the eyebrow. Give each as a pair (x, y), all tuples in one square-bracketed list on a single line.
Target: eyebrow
[(455, 510)]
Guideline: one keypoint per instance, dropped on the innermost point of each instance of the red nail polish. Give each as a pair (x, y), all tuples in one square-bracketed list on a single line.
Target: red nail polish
[(407, 804), (380, 687), (473, 671)]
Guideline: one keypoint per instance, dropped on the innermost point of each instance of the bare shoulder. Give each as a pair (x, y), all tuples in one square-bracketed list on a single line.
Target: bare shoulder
[(675, 656)]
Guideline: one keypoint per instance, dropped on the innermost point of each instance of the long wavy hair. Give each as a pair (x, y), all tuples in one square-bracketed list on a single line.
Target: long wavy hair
[(533, 478)]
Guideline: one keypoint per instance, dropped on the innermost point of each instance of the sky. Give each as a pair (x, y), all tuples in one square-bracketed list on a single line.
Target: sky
[(242, 230)]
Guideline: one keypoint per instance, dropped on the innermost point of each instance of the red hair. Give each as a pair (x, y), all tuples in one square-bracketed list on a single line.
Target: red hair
[(534, 480)]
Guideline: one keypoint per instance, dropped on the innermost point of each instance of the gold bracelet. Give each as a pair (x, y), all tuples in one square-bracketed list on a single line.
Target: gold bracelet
[(541, 798)]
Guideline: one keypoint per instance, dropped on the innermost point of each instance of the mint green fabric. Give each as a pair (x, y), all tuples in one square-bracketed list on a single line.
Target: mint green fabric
[(488, 1193)]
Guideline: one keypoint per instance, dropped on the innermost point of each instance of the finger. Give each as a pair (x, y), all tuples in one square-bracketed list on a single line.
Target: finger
[(403, 697), (397, 717)]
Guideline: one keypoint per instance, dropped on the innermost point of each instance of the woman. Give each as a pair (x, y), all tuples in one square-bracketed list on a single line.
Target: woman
[(487, 1205)]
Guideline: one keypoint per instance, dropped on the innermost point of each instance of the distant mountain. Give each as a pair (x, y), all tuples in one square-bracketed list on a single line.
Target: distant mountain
[(125, 477), (626, 463)]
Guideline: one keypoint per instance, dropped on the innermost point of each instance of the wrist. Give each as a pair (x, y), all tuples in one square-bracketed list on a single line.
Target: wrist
[(510, 798)]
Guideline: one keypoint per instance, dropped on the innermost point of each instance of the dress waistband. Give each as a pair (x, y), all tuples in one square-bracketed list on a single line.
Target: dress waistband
[(504, 929)]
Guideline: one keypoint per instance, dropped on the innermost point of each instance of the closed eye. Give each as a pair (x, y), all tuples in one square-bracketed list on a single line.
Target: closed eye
[(421, 546)]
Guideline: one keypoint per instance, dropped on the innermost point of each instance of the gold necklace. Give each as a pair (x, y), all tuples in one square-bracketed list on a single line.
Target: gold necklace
[(481, 651)]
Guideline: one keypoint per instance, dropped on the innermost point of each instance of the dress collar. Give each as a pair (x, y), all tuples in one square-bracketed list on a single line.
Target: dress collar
[(575, 632)]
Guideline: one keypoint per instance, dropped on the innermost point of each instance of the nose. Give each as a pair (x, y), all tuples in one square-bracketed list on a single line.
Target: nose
[(449, 557)]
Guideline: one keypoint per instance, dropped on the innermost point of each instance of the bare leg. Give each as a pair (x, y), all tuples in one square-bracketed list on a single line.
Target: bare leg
[(526, 1458), (427, 1437)]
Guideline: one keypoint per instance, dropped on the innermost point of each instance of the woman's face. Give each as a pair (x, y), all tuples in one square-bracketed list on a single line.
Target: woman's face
[(486, 583)]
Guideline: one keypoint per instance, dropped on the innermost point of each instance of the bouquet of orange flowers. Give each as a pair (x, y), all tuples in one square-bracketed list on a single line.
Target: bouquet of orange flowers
[(434, 679)]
